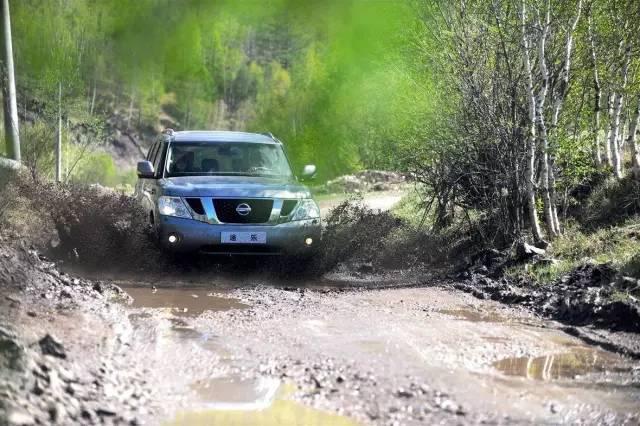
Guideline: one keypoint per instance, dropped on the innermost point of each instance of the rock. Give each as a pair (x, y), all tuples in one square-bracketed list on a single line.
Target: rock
[(49, 345), (105, 412), (547, 261), (57, 412), (404, 393), (449, 406), (365, 268), (626, 283), (19, 418), (525, 251), (11, 352), (591, 275)]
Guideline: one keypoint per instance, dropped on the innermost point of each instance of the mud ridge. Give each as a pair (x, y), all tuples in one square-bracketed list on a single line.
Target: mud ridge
[(63, 348), (591, 297)]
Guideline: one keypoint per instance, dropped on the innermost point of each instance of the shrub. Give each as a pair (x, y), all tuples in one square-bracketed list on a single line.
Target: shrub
[(612, 202)]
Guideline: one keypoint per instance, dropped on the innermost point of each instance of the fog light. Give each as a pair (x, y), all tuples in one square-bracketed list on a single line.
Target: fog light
[(308, 241), (173, 238)]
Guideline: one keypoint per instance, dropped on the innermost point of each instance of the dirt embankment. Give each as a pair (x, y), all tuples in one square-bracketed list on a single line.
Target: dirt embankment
[(63, 346), (591, 299)]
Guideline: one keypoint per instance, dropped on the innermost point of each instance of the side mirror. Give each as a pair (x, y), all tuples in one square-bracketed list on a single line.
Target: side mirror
[(308, 172), (145, 170)]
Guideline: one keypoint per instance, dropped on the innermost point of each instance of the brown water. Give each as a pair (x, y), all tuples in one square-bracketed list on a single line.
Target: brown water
[(181, 301), (567, 365), (236, 393), (473, 315), (210, 363), (228, 399)]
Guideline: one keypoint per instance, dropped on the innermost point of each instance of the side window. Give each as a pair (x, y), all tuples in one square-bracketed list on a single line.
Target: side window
[(158, 162)]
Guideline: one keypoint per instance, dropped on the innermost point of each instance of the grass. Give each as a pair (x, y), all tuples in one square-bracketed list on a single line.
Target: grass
[(616, 245), (411, 209)]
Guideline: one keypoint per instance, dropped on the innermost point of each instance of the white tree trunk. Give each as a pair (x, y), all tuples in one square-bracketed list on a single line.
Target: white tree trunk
[(93, 98), (11, 125), (545, 178), (597, 149), (531, 136), (608, 148), (616, 152), (632, 141), (130, 114), (559, 98)]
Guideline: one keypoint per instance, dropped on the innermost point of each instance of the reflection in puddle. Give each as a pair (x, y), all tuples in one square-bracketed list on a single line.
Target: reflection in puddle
[(231, 393), (280, 413), (181, 301), (565, 365), (473, 315), (237, 410)]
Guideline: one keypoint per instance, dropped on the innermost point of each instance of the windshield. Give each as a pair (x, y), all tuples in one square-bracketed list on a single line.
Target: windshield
[(226, 158)]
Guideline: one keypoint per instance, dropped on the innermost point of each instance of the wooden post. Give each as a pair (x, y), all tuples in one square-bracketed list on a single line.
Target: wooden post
[(59, 138), (12, 133)]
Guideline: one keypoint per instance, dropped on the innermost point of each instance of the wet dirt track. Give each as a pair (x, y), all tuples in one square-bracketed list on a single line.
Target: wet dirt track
[(317, 355)]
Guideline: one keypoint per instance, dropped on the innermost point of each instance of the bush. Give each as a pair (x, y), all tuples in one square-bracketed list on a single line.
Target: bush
[(618, 246), (632, 267), (7, 176), (612, 202)]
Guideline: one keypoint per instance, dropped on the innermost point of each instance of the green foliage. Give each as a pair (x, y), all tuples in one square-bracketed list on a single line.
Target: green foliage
[(411, 210), (332, 79), (98, 167), (613, 202), (619, 246)]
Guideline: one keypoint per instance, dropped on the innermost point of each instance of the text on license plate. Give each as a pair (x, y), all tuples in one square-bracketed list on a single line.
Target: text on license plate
[(243, 237)]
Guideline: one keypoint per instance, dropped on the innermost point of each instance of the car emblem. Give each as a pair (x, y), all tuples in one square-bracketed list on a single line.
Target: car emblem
[(243, 209)]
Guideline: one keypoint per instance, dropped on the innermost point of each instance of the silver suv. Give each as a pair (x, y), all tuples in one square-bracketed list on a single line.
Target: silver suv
[(227, 193)]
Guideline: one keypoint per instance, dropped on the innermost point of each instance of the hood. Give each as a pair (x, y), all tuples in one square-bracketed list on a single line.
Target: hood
[(232, 186)]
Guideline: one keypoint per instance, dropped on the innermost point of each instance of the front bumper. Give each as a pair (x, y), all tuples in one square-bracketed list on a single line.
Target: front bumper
[(193, 235)]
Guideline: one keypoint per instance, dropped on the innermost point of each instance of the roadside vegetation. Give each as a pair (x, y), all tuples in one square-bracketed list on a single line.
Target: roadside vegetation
[(516, 122)]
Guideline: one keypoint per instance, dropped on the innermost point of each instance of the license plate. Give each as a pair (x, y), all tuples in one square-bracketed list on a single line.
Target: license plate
[(243, 237)]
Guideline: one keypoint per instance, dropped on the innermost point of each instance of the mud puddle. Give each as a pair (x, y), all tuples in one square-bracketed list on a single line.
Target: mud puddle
[(567, 365), (181, 301), (233, 401), (236, 393), (203, 368), (473, 315), (488, 316)]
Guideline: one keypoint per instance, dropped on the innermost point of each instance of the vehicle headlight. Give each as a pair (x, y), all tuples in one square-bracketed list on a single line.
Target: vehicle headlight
[(307, 209), (173, 206)]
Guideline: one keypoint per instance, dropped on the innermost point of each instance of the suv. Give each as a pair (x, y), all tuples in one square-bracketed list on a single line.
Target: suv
[(223, 192)]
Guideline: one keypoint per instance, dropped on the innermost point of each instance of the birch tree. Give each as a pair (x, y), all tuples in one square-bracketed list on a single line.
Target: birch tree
[(559, 97), (616, 151), (597, 99), (531, 132), (632, 140)]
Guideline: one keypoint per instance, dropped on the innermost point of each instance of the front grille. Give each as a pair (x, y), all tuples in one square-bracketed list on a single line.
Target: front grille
[(226, 210)]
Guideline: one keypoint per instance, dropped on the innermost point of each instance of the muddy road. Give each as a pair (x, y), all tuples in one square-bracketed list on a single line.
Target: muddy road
[(251, 351)]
